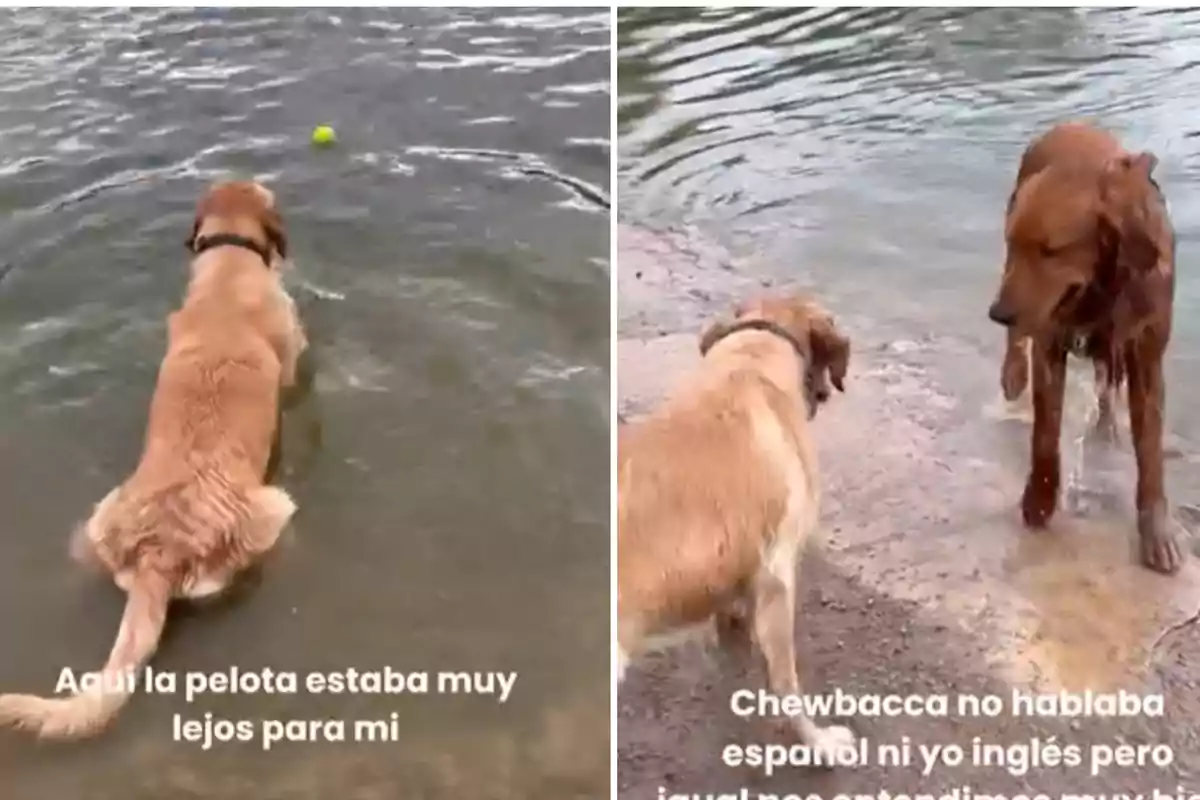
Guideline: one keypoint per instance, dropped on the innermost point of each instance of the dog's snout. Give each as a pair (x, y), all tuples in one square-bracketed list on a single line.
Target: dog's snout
[(1001, 315)]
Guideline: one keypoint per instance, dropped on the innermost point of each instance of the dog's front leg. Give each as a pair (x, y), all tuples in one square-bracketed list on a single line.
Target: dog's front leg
[(1049, 381), (256, 538), (1147, 399), (774, 620), (295, 343), (289, 338)]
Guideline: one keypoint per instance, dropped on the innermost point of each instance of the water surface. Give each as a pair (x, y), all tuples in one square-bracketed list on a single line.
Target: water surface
[(451, 263)]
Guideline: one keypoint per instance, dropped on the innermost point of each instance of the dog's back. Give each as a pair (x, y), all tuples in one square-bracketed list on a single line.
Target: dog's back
[(215, 404)]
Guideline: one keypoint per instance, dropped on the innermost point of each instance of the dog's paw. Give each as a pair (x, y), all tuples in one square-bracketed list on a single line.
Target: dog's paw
[(1160, 548), (833, 745), (1037, 504)]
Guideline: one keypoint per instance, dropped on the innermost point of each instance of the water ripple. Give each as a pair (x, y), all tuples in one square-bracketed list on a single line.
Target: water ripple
[(699, 83)]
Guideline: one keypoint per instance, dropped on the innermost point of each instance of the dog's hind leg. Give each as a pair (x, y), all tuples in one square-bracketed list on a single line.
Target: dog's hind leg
[(273, 509), (733, 655), (733, 625), (774, 620)]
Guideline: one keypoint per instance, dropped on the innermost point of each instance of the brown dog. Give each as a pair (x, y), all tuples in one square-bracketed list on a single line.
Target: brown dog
[(1090, 268), (718, 490), (195, 513), (1064, 143)]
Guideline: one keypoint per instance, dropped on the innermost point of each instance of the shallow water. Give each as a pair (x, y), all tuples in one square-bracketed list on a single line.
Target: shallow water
[(451, 262), (868, 154)]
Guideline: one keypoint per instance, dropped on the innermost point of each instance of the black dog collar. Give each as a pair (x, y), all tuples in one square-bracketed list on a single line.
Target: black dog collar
[(759, 325), (232, 240)]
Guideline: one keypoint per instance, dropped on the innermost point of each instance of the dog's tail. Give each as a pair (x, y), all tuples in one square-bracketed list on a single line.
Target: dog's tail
[(91, 709)]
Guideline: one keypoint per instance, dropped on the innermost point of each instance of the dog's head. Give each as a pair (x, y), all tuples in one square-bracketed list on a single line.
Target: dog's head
[(246, 208), (1072, 229), (813, 331)]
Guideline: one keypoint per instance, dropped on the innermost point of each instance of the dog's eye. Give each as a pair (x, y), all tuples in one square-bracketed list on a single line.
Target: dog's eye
[(1047, 251)]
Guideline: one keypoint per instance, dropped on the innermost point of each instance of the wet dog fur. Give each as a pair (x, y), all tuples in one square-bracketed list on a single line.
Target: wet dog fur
[(718, 492), (1090, 268), (195, 514)]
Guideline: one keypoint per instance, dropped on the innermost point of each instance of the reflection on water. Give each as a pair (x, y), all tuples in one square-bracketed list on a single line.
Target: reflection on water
[(451, 263), (869, 153)]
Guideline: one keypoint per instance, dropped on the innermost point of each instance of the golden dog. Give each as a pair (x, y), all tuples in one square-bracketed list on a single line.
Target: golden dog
[(195, 513), (1090, 268), (718, 490)]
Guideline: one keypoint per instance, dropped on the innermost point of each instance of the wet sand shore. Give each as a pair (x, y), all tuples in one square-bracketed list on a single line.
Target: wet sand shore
[(926, 583)]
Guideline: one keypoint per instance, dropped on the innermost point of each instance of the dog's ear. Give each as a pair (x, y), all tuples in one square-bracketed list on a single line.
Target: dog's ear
[(272, 223), (1130, 221), (204, 206), (190, 242), (831, 351), (1128, 195), (1143, 163), (712, 334)]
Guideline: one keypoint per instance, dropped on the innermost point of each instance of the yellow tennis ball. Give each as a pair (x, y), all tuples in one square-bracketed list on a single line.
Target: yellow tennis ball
[(323, 135)]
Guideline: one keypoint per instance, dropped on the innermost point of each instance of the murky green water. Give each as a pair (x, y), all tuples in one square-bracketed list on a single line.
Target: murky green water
[(868, 154), (451, 259)]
